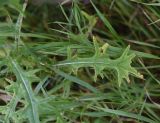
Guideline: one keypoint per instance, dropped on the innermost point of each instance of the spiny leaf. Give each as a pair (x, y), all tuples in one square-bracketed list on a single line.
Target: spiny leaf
[(27, 87), (123, 66), (100, 62)]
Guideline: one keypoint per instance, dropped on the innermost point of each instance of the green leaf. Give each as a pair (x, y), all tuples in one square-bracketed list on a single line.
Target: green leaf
[(76, 80), (107, 23), (100, 62), (16, 5), (123, 66), (126, 114), (32, 108)]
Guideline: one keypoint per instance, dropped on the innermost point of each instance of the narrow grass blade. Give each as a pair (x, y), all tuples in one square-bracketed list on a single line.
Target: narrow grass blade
[(76, 80), (127, 114), (107, 23)]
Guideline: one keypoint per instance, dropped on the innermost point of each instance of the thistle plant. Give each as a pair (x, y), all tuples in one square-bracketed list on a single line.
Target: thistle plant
[(86, 62)]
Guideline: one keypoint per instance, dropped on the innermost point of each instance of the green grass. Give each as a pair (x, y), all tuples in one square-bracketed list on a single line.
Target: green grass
[(95, 63)]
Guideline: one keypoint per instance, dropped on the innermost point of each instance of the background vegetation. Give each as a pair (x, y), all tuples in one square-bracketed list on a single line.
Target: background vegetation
[(80, 63)]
